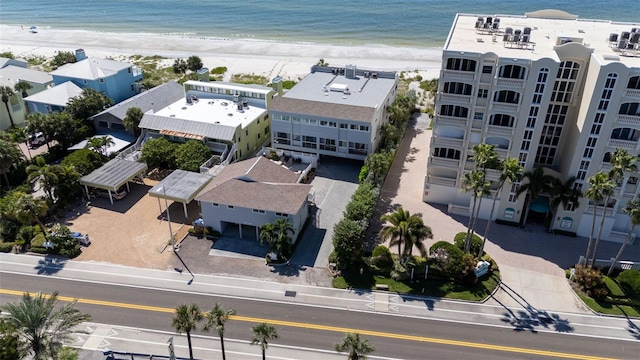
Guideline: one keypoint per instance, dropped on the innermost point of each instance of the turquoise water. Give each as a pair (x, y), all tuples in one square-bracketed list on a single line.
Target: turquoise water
[(421, 23)]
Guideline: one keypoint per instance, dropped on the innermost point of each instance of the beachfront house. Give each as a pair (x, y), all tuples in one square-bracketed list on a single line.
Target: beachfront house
[(116, 79), (53, 99), (334, 111), (152, 100), (10, 75), (250, 193), (229, 118), (550, 90)]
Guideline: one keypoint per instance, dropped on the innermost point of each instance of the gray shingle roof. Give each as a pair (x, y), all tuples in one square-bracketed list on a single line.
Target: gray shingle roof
[(91, 68), (257, 183), (322, 109), (180, 185), (113, 174), (58, 95), (153, 99), (209, 130), (10, 75)]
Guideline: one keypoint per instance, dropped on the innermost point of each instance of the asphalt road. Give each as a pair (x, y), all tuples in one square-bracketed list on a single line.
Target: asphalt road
[(317, 327)]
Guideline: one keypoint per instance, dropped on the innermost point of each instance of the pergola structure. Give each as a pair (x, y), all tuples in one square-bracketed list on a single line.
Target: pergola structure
[(181, 186), (112, 175)]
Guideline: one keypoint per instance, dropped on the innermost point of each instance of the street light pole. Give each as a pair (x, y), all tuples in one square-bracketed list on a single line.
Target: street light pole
[(166, 205)]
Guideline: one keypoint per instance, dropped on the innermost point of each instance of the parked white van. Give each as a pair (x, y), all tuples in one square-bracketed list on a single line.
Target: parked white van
[(36, 140)]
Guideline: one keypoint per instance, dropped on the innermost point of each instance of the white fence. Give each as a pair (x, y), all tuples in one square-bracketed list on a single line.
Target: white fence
[(624, 265)]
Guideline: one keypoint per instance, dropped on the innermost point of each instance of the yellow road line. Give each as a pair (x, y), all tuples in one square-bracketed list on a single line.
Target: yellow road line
[(335, 329)]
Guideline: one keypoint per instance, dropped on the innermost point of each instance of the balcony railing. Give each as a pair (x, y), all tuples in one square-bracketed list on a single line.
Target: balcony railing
[(465, 99), (499, 130), (446, 141), (438, 180), (510, 83), (623, 144), (633, 120), (456, 74), (505, 107), (493, 175), (502, 153), (632, 93), (590, 208), (445, 162), (450, 120)]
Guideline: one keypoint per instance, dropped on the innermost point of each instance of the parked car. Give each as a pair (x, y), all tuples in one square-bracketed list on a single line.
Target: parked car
[(83, 239), (117, 195), (36, 140)]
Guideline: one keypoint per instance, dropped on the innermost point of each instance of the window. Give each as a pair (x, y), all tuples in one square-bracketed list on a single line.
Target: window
[(230, 207), (282, 214), (478, 116), (457, 88), (502, 120), (454, 110), (447, 153), (342, 143), (327, 144), (214, 204), (629, 109), (512, 72), (526, 140), (634, 83), (461, 64), (309, 142), (282, 138), (487, 69), (101, 80), (258, 211), (364, 128), (258, 135), (625, 134), (132, 88), (266, 130), (296, 137), (568, 70), (357, 148), (344, 126), (483, 93), (353, 127), (129, 70), (507, 96), (246, 132)]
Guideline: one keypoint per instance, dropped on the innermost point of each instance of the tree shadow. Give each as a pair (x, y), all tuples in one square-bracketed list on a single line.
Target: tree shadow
[(50, 264), (428, 301), (287, 269)]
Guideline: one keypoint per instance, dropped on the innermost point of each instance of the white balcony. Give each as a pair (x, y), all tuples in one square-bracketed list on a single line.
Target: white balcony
[(502, 153), (505, 107), (461, 99), (499, 130), (510, 83), (633, 120), (589, 210), (451, 163), (623, 144), (438, 180), (493, 175), (456, 74), (451, 121), (633, 93), (448, 142)]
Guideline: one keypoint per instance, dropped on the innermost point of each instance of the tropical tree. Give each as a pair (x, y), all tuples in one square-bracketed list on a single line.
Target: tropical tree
[(216, 318), (22, 87), (511, 171), (406, 231), (565, 194), (44, 173), (159, 152), (63, 58), (38, 122), (18, 135), (10, 157), (132, 120), (6, 93), (633, 210), (100, 144), (474, 181), (194, 63), (321, 62), (600, 187), (68, 187), (180, 66), (356, 347), (278, 236), (191, 154), (622, 162), (84, 161), (348, 243), (89, 103), (537, 184), (28, 210), (11, 346), (44, 323), (186, 320), (485, 156), (262, 333), (378, 164)]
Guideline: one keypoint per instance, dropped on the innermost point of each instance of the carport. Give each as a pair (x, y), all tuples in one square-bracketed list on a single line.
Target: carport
[(113, 175), (181, 186)]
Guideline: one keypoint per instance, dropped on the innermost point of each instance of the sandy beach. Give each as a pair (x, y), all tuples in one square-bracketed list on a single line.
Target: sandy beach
[(266, 58)]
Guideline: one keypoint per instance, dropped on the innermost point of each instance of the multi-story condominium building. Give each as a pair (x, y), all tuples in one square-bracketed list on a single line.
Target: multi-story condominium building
[(117, 80), (547, 88), (334, 111), (227, 117)]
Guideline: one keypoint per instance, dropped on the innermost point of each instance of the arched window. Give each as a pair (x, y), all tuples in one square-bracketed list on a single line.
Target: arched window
[(512, 72), (634, 83), (502, 120), (625, 134), (629, 109), (507, 96)]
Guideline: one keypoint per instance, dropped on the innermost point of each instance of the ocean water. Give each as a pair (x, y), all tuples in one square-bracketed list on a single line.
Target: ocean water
[(416, 23)]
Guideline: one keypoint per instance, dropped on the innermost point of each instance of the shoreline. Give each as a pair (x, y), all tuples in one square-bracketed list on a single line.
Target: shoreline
[(249, 56)]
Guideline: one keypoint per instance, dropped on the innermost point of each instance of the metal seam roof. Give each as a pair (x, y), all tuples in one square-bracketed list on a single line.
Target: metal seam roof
[(113, 174)]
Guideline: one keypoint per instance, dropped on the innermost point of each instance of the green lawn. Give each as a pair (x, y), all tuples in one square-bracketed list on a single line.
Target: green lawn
[(430, 287), (614, 303)]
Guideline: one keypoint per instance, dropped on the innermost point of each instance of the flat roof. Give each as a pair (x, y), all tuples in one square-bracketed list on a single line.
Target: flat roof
[(120, 141), (549, 28), (113, 174), (212, 111), (181, 186), (327, 87)]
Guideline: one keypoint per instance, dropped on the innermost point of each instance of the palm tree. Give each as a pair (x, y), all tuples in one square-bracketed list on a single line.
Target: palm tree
[(418, 232), (39, 122), (6, 93), (485, 156), (357, 349), (186, 320), (10, 157), (378, 165), (565, 194), (633, 210), (262, 333), (475, 182), (538, 183), (510, 171), (599, 186), (406, 229), (282, 244), (622, 162), (100, 144), (44, 323), (44, 173), (22, 87), (132, 119), (18, 135), (216, 318), (28, 210), (68, 185)]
